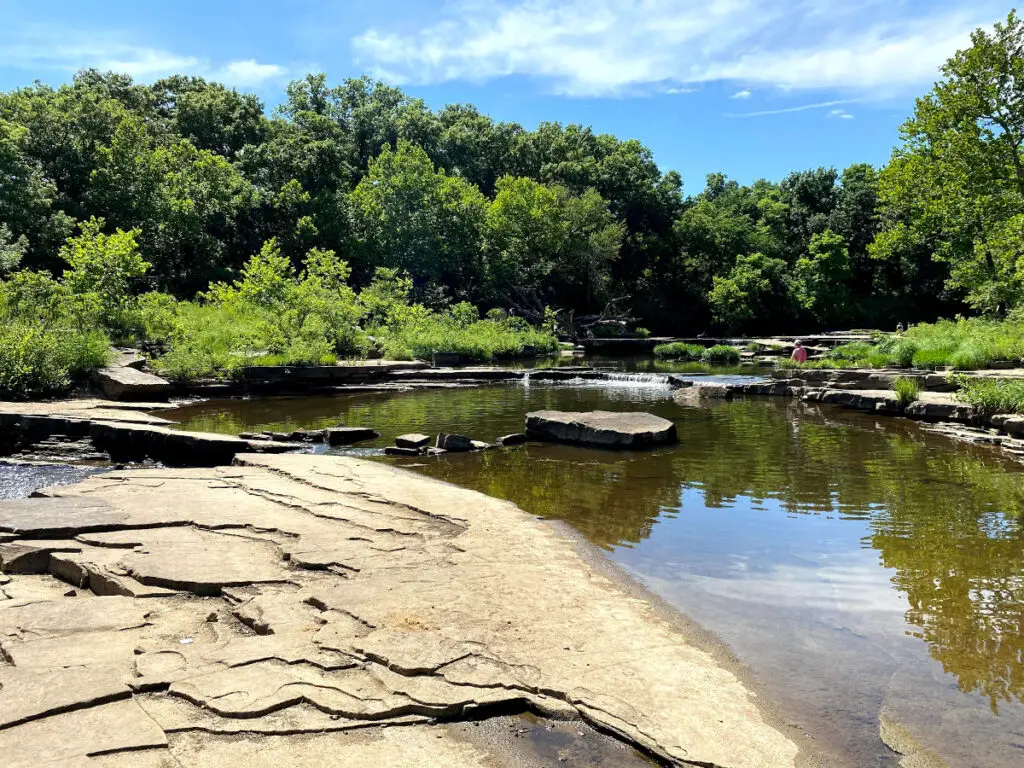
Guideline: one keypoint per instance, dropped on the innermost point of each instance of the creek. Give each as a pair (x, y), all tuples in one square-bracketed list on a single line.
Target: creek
[(861, 568)]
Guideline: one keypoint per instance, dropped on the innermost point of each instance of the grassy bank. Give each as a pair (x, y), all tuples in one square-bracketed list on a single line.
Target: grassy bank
[(961, 344), (992, 396)]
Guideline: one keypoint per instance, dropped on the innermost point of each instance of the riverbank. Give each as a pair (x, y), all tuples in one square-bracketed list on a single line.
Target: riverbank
[(299, 594)]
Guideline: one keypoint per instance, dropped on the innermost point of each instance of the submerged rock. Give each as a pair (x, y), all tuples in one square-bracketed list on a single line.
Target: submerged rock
[(507, 441), (349, 435), (412, 440), (399, 451), (454, 443), (298, 436), (603, 429)]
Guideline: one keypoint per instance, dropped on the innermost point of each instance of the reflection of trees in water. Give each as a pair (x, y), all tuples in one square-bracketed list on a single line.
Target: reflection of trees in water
[(943, 517)]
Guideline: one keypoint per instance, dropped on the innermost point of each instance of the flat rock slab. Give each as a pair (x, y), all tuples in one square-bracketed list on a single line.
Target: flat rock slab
[(125, 383), (412, 440), (603, 429), (289, 597)]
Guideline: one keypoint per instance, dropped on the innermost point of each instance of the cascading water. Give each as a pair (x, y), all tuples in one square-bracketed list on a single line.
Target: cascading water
[(638, 378)]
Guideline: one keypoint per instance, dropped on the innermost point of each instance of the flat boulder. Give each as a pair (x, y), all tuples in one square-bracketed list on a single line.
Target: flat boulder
[(348, 435), (603, 429), (124, 383), (412, 440)]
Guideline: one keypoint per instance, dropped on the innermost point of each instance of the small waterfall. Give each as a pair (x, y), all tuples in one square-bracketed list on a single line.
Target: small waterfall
[(526, 379), (638, 378)]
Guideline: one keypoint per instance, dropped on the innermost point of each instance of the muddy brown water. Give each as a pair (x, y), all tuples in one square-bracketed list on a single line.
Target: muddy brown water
[(862, 568)]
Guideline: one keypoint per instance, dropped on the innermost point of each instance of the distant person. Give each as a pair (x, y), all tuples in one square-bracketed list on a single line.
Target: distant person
[(800, 353), (899, 327)]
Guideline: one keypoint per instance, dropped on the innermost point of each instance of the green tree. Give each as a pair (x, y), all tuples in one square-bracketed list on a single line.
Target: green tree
[(212, 117), (823, 279), (755, 291), (956, 186), (411, 217), (185, 202), (12, 249), (105, 266), (545, 245)]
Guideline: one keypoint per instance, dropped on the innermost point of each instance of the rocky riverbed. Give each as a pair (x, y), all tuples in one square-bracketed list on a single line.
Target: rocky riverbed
[(157, 615)]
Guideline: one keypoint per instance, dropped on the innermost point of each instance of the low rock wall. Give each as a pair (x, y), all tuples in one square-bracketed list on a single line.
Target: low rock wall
[(131, 441)]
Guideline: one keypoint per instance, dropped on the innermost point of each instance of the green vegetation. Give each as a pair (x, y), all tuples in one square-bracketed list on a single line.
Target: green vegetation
[(678, 350), (962, 344), (721, 354), (992, 396), (37, 362), (908, 390), (272, 315), (114, 190)]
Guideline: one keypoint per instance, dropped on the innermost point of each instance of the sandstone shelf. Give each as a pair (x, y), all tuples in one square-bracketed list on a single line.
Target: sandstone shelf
[(296, 609)]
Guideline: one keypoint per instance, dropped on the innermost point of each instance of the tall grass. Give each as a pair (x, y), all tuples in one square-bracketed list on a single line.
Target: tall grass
[(961, 344), (479, 340), (908, 390), (992, 396), (721, 354), (678, 350)]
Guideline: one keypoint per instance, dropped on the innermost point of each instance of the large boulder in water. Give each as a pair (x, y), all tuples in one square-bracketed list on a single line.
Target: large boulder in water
[(603, 429)]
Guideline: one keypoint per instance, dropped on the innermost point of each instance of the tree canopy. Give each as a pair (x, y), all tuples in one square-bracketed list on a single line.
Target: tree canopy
[(503, 216)]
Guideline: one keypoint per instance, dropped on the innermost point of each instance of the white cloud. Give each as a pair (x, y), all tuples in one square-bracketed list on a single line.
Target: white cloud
[(842, 114), (610, 47), (39, 49), (249, 72), (746, 93)]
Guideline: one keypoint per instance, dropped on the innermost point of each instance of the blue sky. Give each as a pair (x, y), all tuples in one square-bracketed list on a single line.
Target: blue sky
[(752, 88)]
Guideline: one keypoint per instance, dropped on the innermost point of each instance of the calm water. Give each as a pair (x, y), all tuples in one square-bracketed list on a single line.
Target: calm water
[(862, 568)]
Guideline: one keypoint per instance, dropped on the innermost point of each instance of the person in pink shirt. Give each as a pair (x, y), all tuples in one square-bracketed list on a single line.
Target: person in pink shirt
[(800, 354)]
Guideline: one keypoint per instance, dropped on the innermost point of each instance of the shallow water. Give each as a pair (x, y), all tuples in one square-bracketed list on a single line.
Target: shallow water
[(18, 481), (860, 567)]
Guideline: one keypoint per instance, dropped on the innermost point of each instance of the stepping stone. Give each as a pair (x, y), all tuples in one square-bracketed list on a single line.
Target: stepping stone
[(603, 429), (412, 440)]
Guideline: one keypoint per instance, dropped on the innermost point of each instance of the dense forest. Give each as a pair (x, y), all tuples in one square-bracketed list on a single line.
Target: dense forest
[(185, 184)]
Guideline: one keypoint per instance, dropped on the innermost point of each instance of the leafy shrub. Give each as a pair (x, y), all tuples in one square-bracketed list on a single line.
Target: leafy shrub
[(38, 362), (907, 389), (991, 396), (679, 351), (721, 354)]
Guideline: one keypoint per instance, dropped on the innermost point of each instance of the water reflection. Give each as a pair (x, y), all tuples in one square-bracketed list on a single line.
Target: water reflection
[(857, 550)]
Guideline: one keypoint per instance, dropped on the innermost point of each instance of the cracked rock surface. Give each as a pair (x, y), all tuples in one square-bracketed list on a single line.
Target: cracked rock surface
[(202, 617)]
